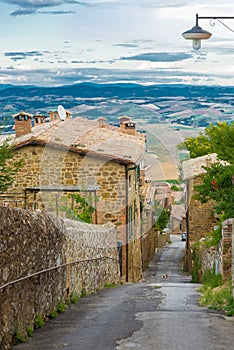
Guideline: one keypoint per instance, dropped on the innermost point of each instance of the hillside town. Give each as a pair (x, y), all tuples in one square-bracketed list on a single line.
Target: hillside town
[(82, 211)]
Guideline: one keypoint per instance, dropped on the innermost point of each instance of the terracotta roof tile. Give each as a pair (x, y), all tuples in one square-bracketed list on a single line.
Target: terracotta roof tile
[(193, 167), (84, 135), (178, 211)]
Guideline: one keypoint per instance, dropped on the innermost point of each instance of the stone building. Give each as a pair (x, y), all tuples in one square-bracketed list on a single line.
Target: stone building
[(200, 216), (177, 222), (92, 158), (163, 194)]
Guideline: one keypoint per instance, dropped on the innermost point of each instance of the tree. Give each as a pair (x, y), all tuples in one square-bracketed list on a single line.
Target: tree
[(8, 167), (217, 185), (83, 210), (221, 138), (216, 139), (162, 215), (218, 181), (197, 146)]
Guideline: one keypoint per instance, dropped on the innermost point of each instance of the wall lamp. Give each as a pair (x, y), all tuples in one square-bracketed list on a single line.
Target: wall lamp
[(196, 34)]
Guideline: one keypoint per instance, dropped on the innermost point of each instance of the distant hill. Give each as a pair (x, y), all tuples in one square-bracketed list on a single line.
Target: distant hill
[(181, 104)]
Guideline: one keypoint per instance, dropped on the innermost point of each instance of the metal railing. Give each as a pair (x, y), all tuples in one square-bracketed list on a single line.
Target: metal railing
[(75, 262)]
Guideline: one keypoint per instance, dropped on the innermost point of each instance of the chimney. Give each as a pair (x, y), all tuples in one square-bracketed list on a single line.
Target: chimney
[(68, 114), (23, 123), (123, 119), (53, 116), (128, 127), (101, 122), (39, 119)]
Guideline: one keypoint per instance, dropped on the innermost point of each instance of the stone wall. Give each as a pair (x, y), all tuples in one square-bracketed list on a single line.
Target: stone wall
[(227, 233), (150, 242), (62, 257), (163, 239), (221, 257), (148, 247), (134, 260), (201, 215), (48, 166), (211, 258)]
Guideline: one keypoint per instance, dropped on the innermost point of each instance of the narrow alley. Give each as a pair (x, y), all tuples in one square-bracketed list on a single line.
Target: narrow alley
[(158, 313)]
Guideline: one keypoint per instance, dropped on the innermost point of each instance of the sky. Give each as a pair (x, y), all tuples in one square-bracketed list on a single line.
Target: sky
[(62, 42)]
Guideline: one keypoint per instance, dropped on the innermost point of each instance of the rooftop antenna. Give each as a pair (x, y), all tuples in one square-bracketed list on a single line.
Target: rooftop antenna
[(61, 112)]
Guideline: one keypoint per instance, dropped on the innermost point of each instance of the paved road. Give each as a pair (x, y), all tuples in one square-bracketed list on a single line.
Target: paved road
[(154, 314)]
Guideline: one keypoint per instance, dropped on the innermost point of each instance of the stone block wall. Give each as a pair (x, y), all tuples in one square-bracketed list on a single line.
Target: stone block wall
[(134, 261), (150, 242), (227, 255), (61, 256), (48, 166), (163, 239), (148, 247), (221, 257), (211, 258), (201, 215)]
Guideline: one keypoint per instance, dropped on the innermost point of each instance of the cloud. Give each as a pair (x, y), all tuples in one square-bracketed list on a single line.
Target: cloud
[(91, 61), (126, 45), (20, 55), (29, 7), (56, 12), (23, 12), (162, 4), (159, 57), (34, 4), (55, 77)]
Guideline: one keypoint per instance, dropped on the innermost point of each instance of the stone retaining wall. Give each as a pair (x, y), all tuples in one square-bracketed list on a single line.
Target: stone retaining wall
[(163, 239), (227, 233), (150, 242), (85, 257), (211, 258), (148, 247), (221, 257)]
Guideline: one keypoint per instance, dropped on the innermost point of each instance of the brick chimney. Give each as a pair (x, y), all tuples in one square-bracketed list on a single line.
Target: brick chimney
[(123, 119), (101, 122), (68, 114), (23, 123), (53, 116), (128, 127), (39, 119)]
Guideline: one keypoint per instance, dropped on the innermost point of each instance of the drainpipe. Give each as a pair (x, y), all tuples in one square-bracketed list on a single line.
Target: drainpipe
[(127, 216)]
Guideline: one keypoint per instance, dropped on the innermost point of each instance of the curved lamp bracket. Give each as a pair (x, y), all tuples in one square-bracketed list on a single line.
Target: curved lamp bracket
[(196, 34)]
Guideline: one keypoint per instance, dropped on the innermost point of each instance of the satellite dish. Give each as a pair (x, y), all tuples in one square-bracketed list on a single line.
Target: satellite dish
[(61, 112)]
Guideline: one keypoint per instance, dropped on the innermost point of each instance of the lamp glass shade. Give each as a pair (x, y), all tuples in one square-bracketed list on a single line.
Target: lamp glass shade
[(196, 44)]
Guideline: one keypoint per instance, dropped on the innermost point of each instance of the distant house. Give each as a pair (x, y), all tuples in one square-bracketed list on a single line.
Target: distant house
[(177, 222), (200, 216), (102, 163), (178, 219), (155, 196), (163, 194)]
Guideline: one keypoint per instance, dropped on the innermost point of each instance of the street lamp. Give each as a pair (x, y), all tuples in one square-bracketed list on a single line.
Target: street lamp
[(196, 34)]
